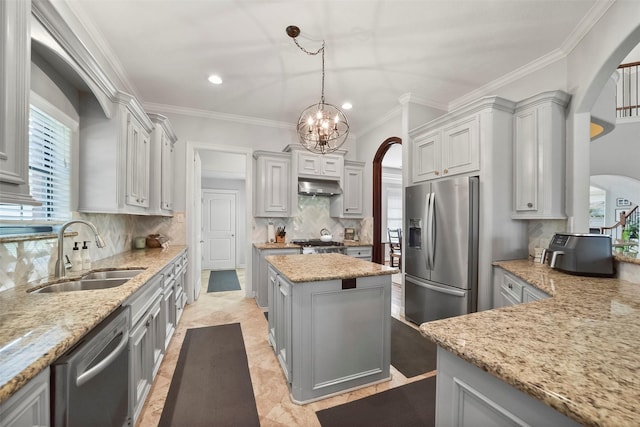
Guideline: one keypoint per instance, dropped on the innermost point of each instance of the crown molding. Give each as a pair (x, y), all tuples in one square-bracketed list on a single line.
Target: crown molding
[(206, 114), (585, 25), (416, 99)]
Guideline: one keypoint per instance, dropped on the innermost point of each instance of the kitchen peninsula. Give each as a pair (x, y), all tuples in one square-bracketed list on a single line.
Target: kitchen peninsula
[(569, 359), (329, 322)]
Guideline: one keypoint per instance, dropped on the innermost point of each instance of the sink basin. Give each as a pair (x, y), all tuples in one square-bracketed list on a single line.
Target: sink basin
[(82, 285), (112, 274)]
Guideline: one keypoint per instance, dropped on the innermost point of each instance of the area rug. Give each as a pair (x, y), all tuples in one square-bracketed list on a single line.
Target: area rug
[(211, 385), (409, 405), (223, 280), (411, 353)]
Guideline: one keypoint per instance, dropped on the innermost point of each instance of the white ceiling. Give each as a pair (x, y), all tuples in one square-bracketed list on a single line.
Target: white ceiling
[(376, 50)]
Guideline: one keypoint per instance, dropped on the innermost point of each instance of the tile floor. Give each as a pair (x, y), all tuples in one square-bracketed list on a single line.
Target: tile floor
[(272, 397)]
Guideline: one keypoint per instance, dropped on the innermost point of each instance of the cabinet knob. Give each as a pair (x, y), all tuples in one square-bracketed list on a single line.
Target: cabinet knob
[(436, 173), (446, 171), (529, 205), (510, 286)]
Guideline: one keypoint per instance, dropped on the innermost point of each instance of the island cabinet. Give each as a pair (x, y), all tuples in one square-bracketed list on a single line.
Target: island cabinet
[(260, 267), (329, 323), (15, 65), (114, 157), (29, 406), (511, 290), (273, 184), (468, 396), (539, 156), (350, 203), (162, 160)]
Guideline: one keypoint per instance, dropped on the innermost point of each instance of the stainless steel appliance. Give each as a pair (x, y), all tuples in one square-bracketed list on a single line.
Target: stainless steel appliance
[(90, 382), (581, 254), (317, 246), (441, 249)]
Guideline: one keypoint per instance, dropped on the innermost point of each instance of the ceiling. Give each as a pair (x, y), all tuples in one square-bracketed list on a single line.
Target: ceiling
[(376, 50)]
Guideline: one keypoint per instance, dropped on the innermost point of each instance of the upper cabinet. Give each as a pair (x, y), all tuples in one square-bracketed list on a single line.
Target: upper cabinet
[(114, 157), (15, 66), (162, 161), (327, 166), (273, 184), (350, 203), (539, 156), (450, 149)]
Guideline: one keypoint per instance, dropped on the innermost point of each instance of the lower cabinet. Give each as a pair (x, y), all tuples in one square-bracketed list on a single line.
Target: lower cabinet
[(512, 290), (283, 325), (468, 396), (361, 252), (260, 268), (29, 406)]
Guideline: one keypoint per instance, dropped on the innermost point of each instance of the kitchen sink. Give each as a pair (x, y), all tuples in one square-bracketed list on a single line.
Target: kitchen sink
[(82, 285), (112, 274)]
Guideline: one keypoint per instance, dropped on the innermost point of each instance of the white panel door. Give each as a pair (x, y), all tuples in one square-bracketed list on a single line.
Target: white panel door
[(219, 229)]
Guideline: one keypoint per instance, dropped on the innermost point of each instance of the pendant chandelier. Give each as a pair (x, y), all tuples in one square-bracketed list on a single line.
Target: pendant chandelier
[(322, 128)]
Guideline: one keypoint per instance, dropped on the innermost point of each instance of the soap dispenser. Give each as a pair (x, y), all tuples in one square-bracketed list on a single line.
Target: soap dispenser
[(76, 258), (86, 257)]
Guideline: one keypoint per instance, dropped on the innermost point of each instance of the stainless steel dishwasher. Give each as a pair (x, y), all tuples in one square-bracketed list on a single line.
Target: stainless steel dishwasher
[(90, 381)]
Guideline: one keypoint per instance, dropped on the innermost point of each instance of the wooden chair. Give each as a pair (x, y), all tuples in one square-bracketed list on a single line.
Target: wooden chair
[(395, 247)]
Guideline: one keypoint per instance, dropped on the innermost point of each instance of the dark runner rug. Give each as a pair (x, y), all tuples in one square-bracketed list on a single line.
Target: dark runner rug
[(211, 385), (405, 406), (411, 353), (223, 280)]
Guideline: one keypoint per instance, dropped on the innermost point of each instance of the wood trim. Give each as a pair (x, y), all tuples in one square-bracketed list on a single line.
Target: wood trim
[(378, 249)]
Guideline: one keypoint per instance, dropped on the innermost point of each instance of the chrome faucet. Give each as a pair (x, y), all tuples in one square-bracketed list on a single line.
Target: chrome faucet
[(60, 270)]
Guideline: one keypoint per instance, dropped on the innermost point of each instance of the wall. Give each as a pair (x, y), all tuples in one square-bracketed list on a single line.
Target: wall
[(618, 152)]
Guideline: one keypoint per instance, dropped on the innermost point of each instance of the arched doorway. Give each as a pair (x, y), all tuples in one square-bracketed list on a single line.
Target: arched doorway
[(378, 249)]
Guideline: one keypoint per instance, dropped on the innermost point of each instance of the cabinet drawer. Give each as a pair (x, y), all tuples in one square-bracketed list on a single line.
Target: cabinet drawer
[(359, 252), (144, 297), (512, 288)]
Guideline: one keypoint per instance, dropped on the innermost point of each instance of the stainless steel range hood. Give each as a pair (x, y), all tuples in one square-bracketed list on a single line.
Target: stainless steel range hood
[(318, 187)]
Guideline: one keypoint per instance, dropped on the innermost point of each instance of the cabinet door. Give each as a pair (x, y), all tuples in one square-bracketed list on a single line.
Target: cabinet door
[(158, 332), (353, 190), (166, 176), (141, 361), (15, 65), (29, 406), (137, 164), (525, 156), (309, 164), (461, 147), (427, 157), (283, 326), (272, 283), (168, 314), (276, 184), (331, 165)]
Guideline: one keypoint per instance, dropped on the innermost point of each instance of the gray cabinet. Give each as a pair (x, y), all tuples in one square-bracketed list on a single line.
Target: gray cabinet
[(114, 157), (29, 406), (539, 156), (273, 184), (283, 319), (468, 396), (15, 66), (512, 290), (325, 166), (350, 204), (260, 276), (162, 160), (361, 252)]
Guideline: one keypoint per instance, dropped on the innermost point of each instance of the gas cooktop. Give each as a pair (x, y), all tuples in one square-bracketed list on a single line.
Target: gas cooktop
[(315, 242)]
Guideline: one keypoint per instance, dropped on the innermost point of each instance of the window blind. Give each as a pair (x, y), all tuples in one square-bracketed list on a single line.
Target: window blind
[(49, 172)]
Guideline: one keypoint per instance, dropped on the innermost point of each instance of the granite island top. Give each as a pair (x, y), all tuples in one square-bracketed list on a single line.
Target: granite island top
[(37, 328), (578, 352), (267, 245), (332, 266)]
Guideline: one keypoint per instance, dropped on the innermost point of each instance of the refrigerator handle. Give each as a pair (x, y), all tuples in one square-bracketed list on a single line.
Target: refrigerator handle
[(431, 230), (441, 289), (425, 231)]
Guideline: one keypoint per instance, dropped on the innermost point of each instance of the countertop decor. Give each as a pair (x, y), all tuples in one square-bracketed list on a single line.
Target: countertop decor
[(578, 352), (37, 328)]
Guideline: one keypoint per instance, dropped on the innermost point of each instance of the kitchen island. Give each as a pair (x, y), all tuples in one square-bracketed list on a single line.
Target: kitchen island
[(574, 356), (329, 322)]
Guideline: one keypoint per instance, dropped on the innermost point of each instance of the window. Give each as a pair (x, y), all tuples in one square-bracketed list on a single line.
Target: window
[(597, 199), (49, 172)]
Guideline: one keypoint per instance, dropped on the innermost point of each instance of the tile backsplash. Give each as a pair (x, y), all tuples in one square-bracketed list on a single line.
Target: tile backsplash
[(29, 260)]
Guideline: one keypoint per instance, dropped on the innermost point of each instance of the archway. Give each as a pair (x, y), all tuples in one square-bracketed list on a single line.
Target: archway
[(378, 250)]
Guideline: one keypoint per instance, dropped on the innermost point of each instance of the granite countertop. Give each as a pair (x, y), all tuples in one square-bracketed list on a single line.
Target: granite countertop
[(578, 352), (319, 267), (37, 328), (267, 245)]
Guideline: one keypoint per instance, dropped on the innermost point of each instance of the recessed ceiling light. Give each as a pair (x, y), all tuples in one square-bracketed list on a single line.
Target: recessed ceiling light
[(347, 106), (216, 80)]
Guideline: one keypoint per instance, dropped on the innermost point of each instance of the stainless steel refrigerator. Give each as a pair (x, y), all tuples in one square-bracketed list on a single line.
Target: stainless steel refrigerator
[(441, 249)]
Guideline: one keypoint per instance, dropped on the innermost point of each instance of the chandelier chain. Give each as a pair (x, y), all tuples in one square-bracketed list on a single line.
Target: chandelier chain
[(308, 52)]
